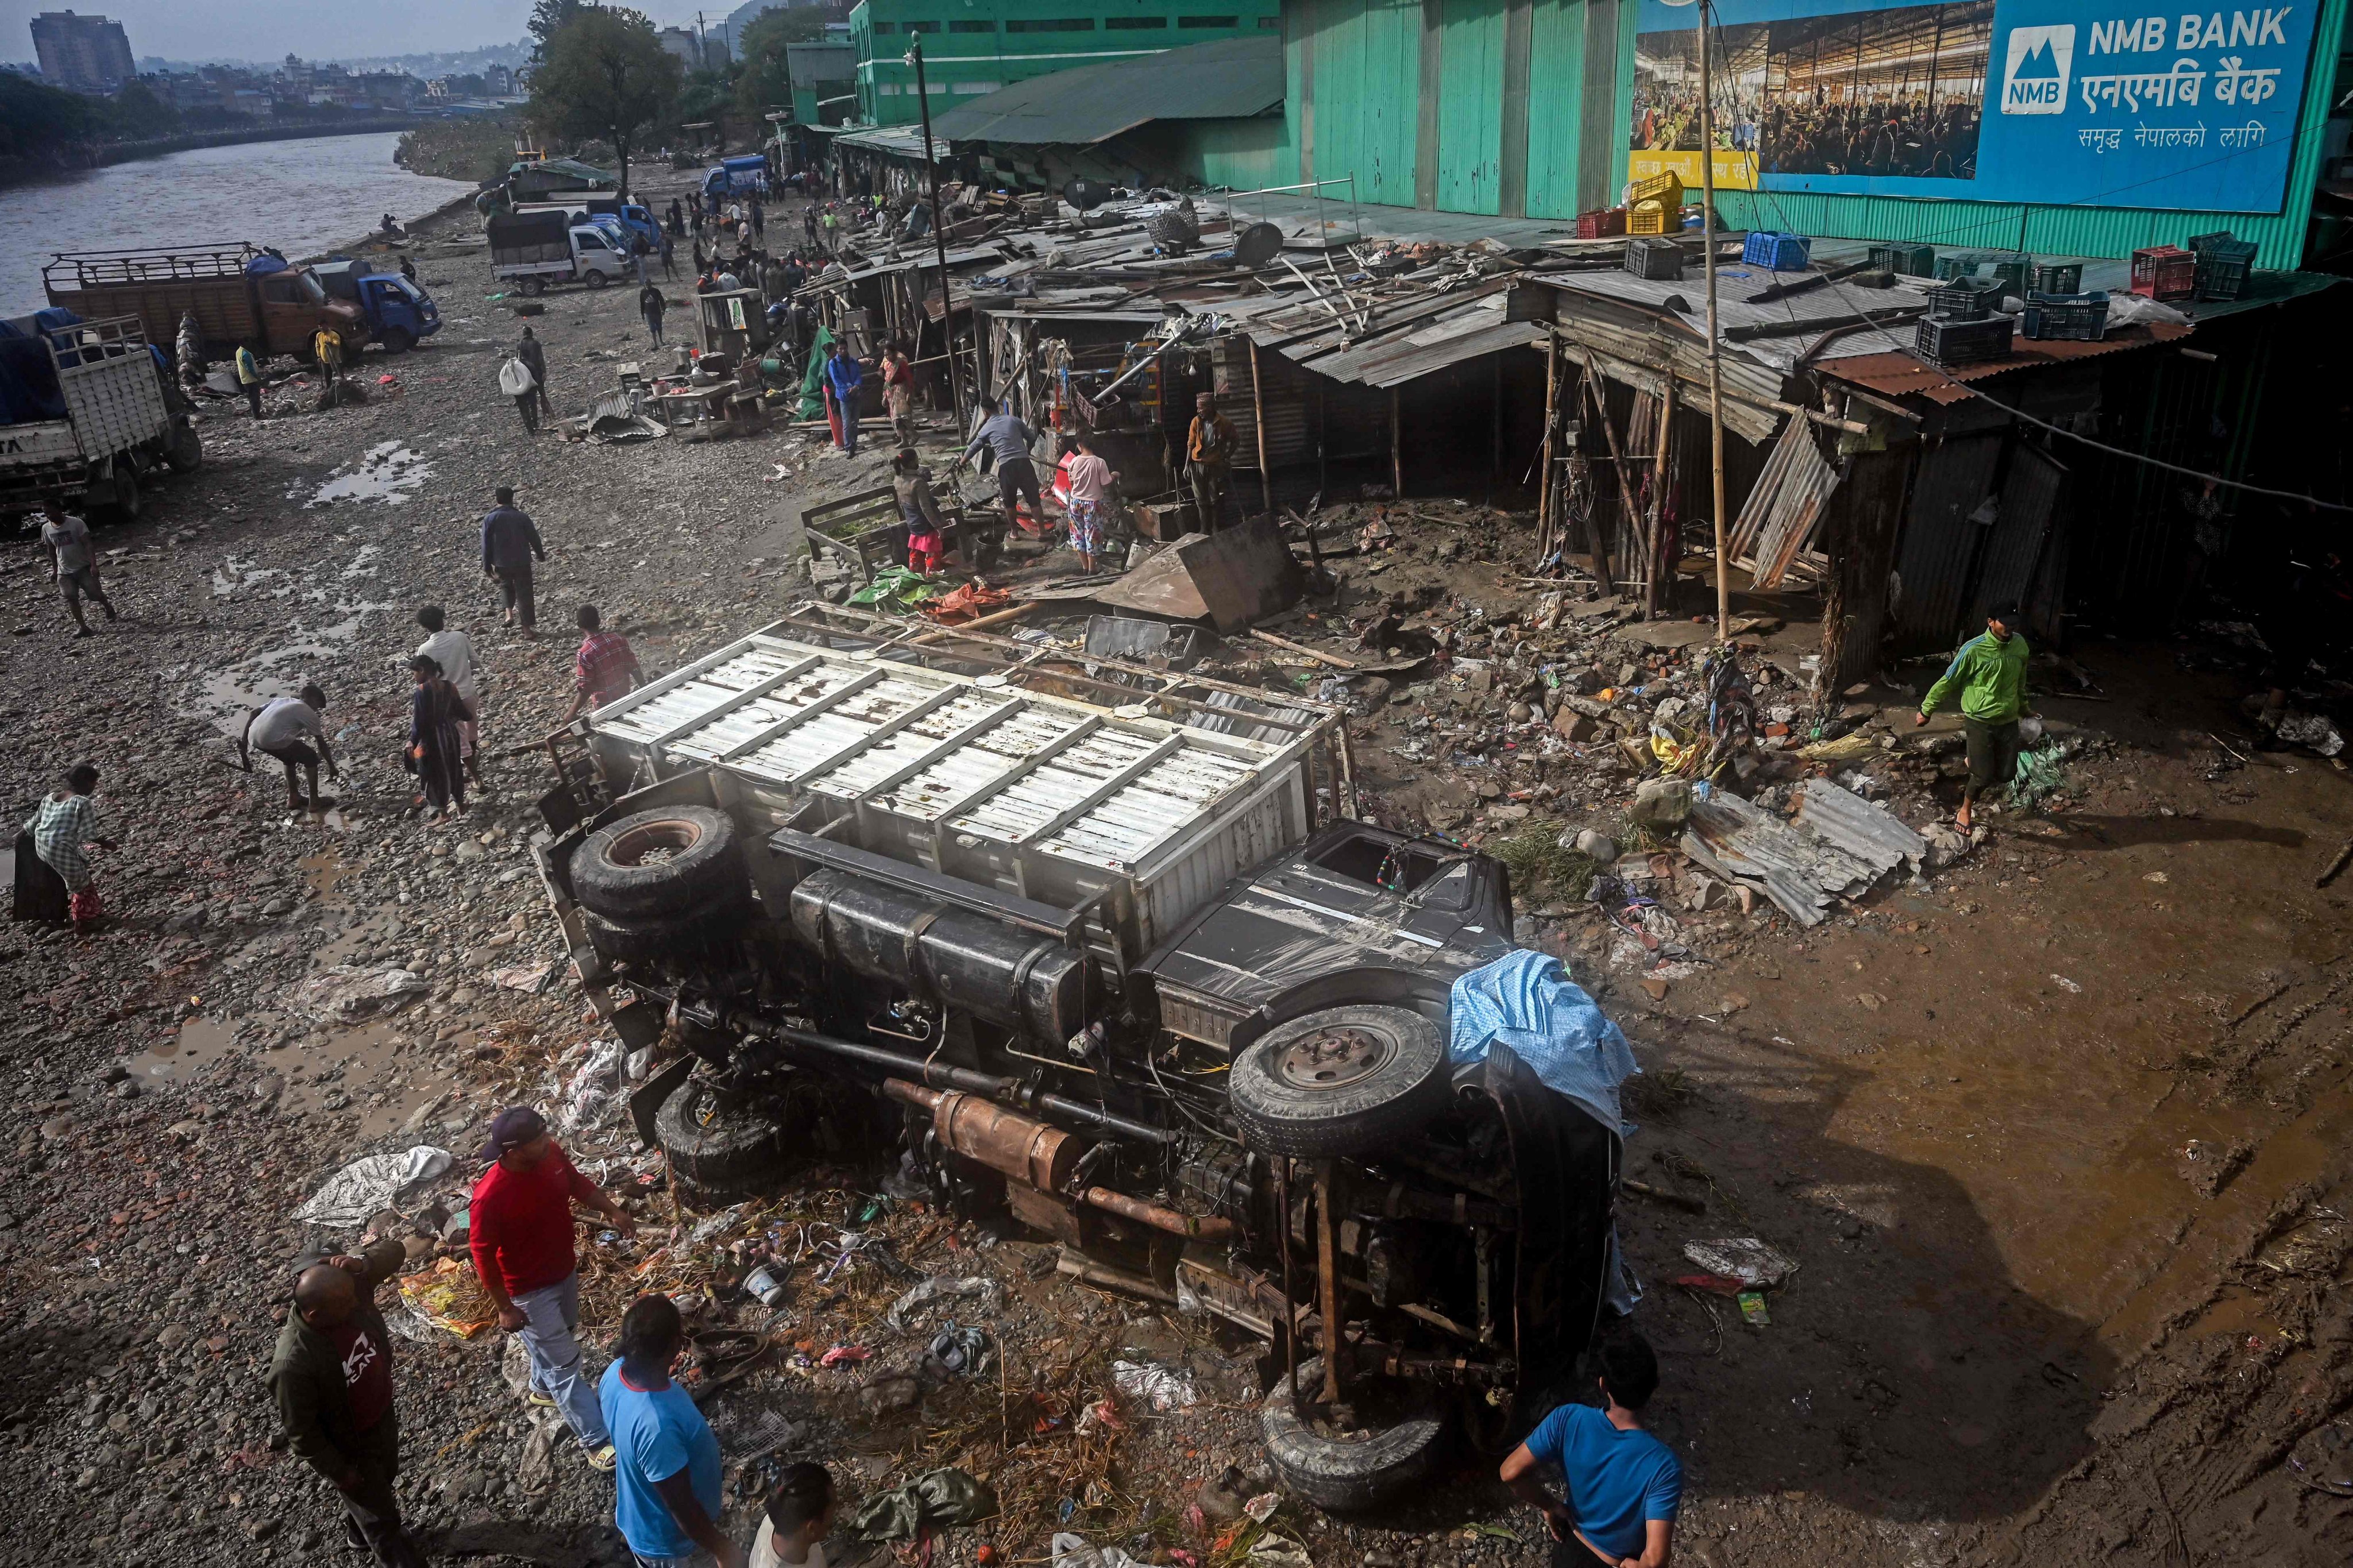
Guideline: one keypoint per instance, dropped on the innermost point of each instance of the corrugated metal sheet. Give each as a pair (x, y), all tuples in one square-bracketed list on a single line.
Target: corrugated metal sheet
[(1226, 79), (1801, 869), (1872, 834), (1898, 374), (2015, 550), (1784, 507), (1932, 559), (897, 142)]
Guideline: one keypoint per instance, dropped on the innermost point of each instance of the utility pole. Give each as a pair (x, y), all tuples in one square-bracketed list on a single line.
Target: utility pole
[(1714, 342), (939, 235)]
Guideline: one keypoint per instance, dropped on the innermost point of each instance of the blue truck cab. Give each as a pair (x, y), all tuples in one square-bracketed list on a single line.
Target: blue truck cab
[(398, 312), (742, 176)]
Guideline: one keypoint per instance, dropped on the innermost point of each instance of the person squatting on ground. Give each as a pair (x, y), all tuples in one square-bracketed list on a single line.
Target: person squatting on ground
[(436, 749), (287, 728), (510, 542), (522, 1249), (797, 1517), (1624, 1486), (1990, 672), (919, 509), (667, 1500), (73, 564), (57, 841), (331, 1375), (454, 652)]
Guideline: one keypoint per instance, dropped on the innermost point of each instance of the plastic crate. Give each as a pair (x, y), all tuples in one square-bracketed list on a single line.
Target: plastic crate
[(2058, 278), (1960, 264), (1944, 341), (1649, 218), (2199, 242), (2012, 272), (2075, 317), (1659, 259), (1965, 298), (1906, 260), (1602, 223), (2224, 269), (1778, 252), (2164, 272), (1667, 189)]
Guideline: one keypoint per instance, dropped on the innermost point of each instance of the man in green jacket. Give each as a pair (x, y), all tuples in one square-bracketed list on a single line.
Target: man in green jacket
[(332, 1377), (1991, 671)]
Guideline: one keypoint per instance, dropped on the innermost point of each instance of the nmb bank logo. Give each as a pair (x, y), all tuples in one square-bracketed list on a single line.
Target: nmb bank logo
[(2035, 80)]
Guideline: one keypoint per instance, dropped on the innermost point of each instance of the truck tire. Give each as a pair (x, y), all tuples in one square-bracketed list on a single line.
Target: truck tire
[(532, 287), (597, 279), (397, 340), (648, 937), (116, 497), (1351, 1474), (185, 452), (672, 860), (717, 1149), (1344, 1080)]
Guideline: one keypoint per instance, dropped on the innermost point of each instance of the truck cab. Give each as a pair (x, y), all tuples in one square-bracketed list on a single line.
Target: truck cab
[(398, 312), (532, 250), (625, 222)]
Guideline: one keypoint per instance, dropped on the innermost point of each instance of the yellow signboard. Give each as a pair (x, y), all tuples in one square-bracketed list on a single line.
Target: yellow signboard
[(1734, 171)]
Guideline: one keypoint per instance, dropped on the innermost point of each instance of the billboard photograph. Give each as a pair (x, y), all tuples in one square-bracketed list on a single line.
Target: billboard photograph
[(2048, 102)]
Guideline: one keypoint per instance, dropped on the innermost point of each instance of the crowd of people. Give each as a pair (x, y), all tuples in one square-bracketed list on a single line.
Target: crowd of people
[(1907, 134)]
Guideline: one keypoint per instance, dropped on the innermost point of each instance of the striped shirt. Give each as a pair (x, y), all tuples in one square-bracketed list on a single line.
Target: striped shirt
[(65, 823)]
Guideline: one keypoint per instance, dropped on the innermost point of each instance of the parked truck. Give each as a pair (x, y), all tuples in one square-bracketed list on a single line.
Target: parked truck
[(242, 297), (636, 221), (90, 411), (1095, 947), (747, 176), (399, 313), (535, 249)]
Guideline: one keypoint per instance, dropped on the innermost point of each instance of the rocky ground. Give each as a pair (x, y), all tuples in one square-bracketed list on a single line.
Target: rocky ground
[(2056, 1135)]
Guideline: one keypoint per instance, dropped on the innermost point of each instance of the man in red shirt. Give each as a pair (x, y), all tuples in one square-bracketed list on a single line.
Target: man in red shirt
[(521, 1232), (605, 667)]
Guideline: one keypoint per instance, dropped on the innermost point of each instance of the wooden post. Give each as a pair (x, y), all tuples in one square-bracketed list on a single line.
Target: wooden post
[(1258, 413), (1545, 530), (1396, 450), (1666, 543), (1617, 466), (1714, 343)]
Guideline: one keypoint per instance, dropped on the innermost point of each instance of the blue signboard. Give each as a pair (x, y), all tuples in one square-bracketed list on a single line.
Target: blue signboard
[(2057, 103)]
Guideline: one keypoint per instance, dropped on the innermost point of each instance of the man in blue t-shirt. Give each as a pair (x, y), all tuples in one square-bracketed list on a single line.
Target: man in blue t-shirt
[(1624, 1485), (667, 1498)]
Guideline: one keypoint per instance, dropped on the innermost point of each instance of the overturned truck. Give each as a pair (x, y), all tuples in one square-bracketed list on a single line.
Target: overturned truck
[(1101, 947)]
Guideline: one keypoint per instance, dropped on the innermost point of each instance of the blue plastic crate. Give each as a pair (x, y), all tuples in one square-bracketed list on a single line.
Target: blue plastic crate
[(1779, 252)]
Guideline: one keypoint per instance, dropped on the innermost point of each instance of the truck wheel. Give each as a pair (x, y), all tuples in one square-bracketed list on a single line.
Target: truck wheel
[(185, 451), (648, 937), (1340, 1081), (398, 340), (672, 860), (1386, 1450), (597, 281), (533, 288), (116, 495), (717, 1147)]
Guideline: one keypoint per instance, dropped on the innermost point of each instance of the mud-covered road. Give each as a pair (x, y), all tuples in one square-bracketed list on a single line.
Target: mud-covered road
[(2058, 1138)]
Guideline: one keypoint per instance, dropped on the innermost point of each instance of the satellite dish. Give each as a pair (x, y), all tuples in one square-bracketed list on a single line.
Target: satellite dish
[(1086, 195), (1257, 244)]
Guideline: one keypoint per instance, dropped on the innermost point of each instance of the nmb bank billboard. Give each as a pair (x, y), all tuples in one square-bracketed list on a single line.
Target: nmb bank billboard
[(2059, 102)]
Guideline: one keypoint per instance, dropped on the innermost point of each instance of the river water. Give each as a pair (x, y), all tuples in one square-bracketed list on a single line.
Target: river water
[(300, 196)]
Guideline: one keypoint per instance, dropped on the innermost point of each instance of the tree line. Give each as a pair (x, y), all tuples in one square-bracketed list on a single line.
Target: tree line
[(43, 122)]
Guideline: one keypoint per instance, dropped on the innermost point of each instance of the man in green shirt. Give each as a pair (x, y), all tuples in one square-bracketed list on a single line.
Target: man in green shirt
[(1990, 672)]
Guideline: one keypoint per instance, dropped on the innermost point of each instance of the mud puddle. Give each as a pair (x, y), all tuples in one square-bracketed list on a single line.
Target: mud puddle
[(373, 1070), (389, 472), (177, 1059)]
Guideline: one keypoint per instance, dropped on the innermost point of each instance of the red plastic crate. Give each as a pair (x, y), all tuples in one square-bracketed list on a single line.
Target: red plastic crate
[(1602, 223), (2164, 272)]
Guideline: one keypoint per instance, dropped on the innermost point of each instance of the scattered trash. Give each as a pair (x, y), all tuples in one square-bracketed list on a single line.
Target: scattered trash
[(449, 1298), (965, 1352), (1525, 1002), (933, 1499), (346, 993), (1076, 1552), (2066, 985), (530, 978), (765, 1285), (942, 1287), (369, 1185), (1743, 1259), (845, 1356), (1752, 1310), (1160, 1387)]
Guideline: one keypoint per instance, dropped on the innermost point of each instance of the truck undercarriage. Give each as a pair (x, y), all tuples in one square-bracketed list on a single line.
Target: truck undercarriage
[(1094, 946)]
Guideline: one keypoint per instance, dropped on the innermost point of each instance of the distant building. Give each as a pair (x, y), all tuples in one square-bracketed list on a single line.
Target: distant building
[(86, 54), (498, 81), (976, 47), (683, 43)]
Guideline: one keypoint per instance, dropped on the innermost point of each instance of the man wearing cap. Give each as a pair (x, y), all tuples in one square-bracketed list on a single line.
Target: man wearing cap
[(521, 1224), (1990, 672)]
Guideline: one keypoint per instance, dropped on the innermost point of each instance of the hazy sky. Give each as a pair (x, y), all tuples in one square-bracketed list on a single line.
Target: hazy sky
[(330, 30)]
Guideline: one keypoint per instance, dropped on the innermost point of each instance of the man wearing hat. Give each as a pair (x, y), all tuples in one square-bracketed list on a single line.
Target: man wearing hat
[(521, 1231)]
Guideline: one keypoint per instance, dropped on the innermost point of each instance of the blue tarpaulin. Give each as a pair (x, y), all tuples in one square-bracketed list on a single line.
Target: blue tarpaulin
[(1526, 1002), (28, 378)]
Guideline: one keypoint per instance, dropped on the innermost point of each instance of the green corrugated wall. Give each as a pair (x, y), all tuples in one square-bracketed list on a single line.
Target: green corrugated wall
[(1475, 105), (2077, 230)]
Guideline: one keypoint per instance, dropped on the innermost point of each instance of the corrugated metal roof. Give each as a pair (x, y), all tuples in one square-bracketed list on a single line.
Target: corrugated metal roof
[(895, 140), (1230, 79), (1897, 374)]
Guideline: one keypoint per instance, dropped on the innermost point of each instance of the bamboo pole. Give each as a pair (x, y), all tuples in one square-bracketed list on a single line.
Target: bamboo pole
[(1258, 414), (1544, 530), (1714, 342), (1396, 450)]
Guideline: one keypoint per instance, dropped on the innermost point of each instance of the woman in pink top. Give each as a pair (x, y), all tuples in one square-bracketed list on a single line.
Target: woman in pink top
[(1089, 479)]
